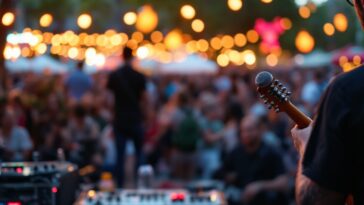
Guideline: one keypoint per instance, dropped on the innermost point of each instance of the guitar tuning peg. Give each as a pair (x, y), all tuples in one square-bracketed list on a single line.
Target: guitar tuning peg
[(286, 99), (265, 101), (284, 89), (270, 107), (261, 96), (289, 93), (277, 110), (280, 85), (276, 82), (272, 102)]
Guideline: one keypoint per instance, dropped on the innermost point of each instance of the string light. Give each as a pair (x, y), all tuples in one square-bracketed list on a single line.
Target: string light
[(304, 12), (45, 20), (235, 5), (188, 12), (130, 18), (252, 36), (222, 60), (147, 19), (198, 25), (84, 21), (304, 42), (272, 60), (8, 18), (329, 29), (341, 22)]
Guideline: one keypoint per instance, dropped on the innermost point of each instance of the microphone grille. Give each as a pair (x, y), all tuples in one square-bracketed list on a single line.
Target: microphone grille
[(264, 79)]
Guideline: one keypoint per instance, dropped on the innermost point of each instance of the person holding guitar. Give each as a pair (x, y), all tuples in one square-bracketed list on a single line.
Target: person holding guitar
[(331, 168), (332, 157)]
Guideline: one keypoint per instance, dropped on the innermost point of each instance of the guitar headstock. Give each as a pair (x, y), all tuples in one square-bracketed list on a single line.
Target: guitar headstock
[(272, 92)]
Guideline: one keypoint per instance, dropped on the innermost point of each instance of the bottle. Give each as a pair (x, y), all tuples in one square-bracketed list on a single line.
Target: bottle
[(145, 177), (106, 183), (60, 155)]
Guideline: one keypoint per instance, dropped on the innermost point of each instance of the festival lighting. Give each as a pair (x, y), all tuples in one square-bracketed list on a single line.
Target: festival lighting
[(304, 12), (286, 23), (235, 5), (305, 43), (173, 39), (227, 41), (215, 43), (188, 12), (240, 40), (156, 36), (147, 19), (142, 52), (46, 20), (130, 18), (341, 22), (202, 45), (198, 25), (249, 57), (267, 1), (222, 60), (8, 18), (84, 21), (252, 36), (272, 60), (270, 33), (329, 29)]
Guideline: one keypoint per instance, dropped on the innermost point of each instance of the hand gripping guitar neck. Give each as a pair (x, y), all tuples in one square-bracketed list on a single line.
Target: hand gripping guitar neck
[(276, 97)]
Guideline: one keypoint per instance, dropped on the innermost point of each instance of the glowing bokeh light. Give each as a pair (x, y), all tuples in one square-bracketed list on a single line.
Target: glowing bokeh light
[(147, 19), (252, 36), (8, 19), (272, 60), (222, 60), (341, 22), (304, 12), (198, 25), (235, 5), (240, 40), (46, 20), (305, 43), (174, 39), (329, 29), (130, 18), (188, 12), (84, 21)]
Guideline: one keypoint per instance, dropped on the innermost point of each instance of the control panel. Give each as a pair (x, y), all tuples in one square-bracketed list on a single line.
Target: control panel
[(151, 197), (19, 169)]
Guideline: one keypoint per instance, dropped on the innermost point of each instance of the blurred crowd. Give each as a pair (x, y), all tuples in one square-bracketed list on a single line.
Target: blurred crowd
[(195, 127)]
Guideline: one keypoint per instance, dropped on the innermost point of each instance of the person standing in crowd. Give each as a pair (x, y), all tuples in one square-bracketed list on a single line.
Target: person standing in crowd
[(82, 135), (15, 143), (255, 168), (78, 83), (129, 89)]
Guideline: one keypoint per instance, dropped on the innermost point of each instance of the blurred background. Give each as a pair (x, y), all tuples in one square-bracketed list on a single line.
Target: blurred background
[(200, 56)]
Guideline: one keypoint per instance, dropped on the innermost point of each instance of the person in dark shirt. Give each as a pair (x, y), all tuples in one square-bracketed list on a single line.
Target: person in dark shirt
[(332, 157), (128, 87), (256, 168)]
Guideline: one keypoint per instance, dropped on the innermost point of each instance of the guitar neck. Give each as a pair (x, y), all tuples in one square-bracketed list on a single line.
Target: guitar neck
[(297, 116)]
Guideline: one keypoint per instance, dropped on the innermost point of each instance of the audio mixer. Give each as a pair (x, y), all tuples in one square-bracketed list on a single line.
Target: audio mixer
[(151, 197)]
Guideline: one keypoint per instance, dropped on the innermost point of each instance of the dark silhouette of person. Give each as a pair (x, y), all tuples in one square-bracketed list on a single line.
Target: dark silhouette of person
[(128, 87)]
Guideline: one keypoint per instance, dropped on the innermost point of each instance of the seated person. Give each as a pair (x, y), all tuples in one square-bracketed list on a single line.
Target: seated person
[(255, 168), (15, 142)]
